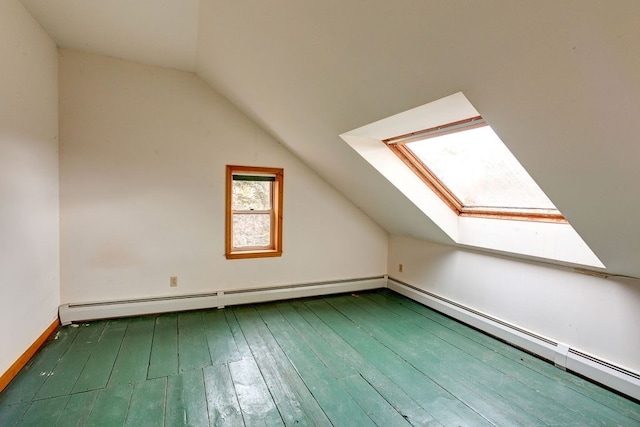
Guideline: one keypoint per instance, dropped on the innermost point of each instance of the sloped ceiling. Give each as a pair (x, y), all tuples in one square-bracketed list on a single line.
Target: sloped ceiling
[(558, 81)]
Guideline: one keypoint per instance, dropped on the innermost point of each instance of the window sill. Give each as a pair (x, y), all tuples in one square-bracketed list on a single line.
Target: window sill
[(254, 254)]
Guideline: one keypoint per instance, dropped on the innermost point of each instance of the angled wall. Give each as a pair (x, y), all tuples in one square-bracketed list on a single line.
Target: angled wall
[(29, 214), (143, 155)]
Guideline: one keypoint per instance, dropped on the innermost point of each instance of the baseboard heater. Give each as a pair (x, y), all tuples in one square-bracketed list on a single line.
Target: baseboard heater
[(79, 312), (562, 355)]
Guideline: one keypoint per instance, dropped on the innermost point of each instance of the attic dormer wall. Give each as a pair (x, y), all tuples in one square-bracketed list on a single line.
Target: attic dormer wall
[(142, 180)]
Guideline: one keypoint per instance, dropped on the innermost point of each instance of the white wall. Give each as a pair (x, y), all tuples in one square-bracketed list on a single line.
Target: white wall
[(597, 316), (143, 151), (29, 215)]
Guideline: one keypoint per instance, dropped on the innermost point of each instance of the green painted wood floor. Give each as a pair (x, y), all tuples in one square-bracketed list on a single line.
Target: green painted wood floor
[(372, 359)]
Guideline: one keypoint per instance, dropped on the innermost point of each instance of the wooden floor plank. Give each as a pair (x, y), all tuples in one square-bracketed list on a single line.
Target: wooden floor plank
[(44, 412), (164, 348), (345, 361), (336, 402), (27, 383), (373, 403), (132, 362), (78, 409), (111, 406), (147, 405), (256, 403), (561, 380), (439, 402), (560, 408), (186, 403), (238, 337), (10, 415), (222, 402), (563, 405), (294, 400), (193, 350), (63, 378), (525, 392), (97, 370), (483, 392), (222, 346)]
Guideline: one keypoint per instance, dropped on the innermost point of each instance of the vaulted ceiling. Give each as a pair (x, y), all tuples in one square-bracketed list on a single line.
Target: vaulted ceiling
[(558, 81)]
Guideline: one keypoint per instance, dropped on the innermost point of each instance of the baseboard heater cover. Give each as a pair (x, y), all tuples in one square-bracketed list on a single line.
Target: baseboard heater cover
[(562, 355), (614, 376), (79, 312)]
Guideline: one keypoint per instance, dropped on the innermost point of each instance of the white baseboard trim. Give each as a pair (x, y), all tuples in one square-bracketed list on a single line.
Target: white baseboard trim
[(79, 312), (251, 296), (562, 355), (82, 312)]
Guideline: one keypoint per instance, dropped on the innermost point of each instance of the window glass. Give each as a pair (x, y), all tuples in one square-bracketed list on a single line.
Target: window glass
[(251, 195), (480, 171), (477, 168), (251, 230)]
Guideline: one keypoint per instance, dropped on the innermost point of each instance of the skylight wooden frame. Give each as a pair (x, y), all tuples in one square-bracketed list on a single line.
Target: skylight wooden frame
[(397, 146), (275, 247)]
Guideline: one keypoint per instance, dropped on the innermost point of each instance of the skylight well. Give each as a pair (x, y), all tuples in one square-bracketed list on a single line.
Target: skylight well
[(471, 169), (453, 167)]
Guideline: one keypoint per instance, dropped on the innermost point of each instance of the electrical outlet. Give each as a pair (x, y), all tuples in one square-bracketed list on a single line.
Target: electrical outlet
[(400, 268), (173, 281)]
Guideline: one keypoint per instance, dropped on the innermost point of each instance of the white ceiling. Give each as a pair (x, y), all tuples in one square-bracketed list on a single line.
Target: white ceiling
[(158, 32), (558, 81)]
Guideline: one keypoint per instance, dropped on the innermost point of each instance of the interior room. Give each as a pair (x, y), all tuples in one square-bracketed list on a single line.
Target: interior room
[(118, 120)]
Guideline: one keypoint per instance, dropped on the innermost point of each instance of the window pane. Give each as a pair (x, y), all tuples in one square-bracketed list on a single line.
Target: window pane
[(251, 230), (251, 195), (480, 171)]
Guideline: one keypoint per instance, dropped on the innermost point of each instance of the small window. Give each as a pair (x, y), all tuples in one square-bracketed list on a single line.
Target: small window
[(254, 212), (471, 169)]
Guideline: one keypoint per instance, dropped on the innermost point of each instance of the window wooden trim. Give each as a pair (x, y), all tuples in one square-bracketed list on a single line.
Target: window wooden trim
[(275, 249), (397, 146)]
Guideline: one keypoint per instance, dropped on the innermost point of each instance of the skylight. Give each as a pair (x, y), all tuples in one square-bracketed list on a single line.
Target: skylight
[(472, 170), (481, 196)]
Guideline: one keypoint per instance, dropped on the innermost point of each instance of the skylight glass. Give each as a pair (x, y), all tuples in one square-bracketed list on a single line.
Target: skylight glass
[(480, 171)]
